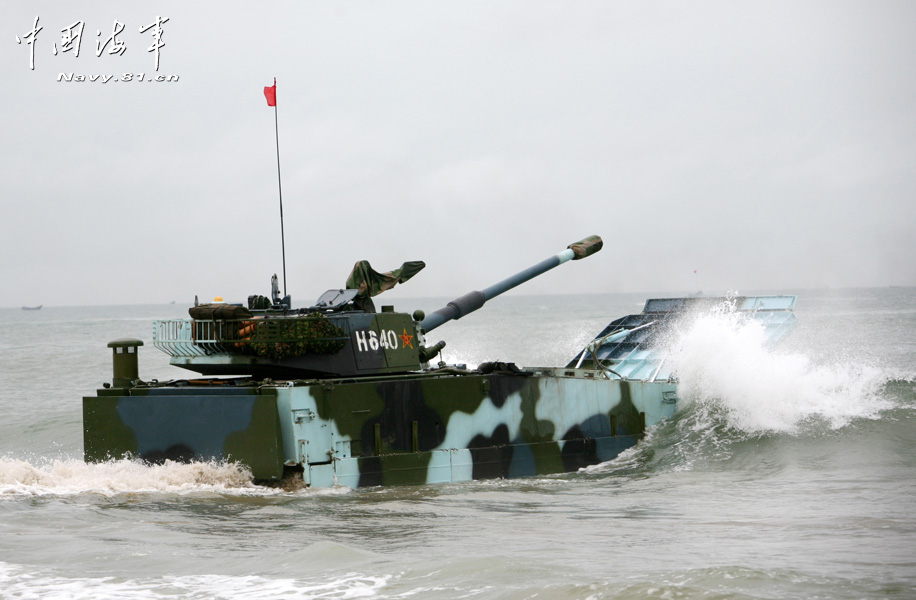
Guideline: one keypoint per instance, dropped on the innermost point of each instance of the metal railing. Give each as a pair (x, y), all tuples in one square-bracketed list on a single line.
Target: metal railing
[(274, 337), (184, 337)]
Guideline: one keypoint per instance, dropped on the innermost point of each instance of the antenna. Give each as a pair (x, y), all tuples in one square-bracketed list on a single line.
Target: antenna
[(271, 94)]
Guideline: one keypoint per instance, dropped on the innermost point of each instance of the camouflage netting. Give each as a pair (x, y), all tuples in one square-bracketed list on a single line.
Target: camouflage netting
[(286, 338), (369, 282), (586, 247), (259, 302)]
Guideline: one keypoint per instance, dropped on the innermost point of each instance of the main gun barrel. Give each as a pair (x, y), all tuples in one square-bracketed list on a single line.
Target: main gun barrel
[(471, 301)]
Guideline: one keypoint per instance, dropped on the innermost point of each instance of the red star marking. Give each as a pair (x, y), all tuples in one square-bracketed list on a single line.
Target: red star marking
[(406, 339)]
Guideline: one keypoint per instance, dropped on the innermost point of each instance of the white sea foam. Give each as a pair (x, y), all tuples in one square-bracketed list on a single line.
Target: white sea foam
[(724, 365), (18, 582), (73, 477)]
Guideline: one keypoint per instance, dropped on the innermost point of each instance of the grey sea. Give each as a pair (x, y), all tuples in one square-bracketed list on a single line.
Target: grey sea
[(788, 472)]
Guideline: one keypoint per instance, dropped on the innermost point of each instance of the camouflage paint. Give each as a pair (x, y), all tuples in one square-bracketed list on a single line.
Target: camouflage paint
[(156, 424), (425, 428)]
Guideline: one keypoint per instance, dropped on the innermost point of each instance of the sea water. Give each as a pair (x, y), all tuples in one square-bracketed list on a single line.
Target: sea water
[(789, 472)]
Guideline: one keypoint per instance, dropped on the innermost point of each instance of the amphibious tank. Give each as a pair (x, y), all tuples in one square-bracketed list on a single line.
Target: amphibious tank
[(339, 394)]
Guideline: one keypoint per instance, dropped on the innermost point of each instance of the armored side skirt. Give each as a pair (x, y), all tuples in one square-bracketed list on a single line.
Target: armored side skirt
[(425, 428)]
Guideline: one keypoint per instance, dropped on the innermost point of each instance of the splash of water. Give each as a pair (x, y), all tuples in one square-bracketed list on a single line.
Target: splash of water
[(73, 477), (726, 369)]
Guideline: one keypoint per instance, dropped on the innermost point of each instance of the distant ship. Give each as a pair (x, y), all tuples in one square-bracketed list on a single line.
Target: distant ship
[(32, 307)]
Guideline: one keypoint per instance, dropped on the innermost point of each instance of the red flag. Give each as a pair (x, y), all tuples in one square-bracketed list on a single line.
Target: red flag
[(271, 94)]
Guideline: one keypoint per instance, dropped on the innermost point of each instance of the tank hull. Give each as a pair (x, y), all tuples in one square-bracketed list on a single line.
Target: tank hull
[(423, 428)]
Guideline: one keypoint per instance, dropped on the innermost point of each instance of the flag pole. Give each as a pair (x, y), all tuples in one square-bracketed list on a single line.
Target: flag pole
[(279, 184)]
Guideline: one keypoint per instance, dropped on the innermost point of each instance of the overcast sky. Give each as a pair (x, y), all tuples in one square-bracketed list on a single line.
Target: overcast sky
[(767, 145)]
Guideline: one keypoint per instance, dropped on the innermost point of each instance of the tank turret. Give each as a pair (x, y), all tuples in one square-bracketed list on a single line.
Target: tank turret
[(332, 338)]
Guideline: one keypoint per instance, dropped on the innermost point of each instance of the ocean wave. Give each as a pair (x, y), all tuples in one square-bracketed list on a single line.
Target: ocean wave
[(19, 582), (486, 576)]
